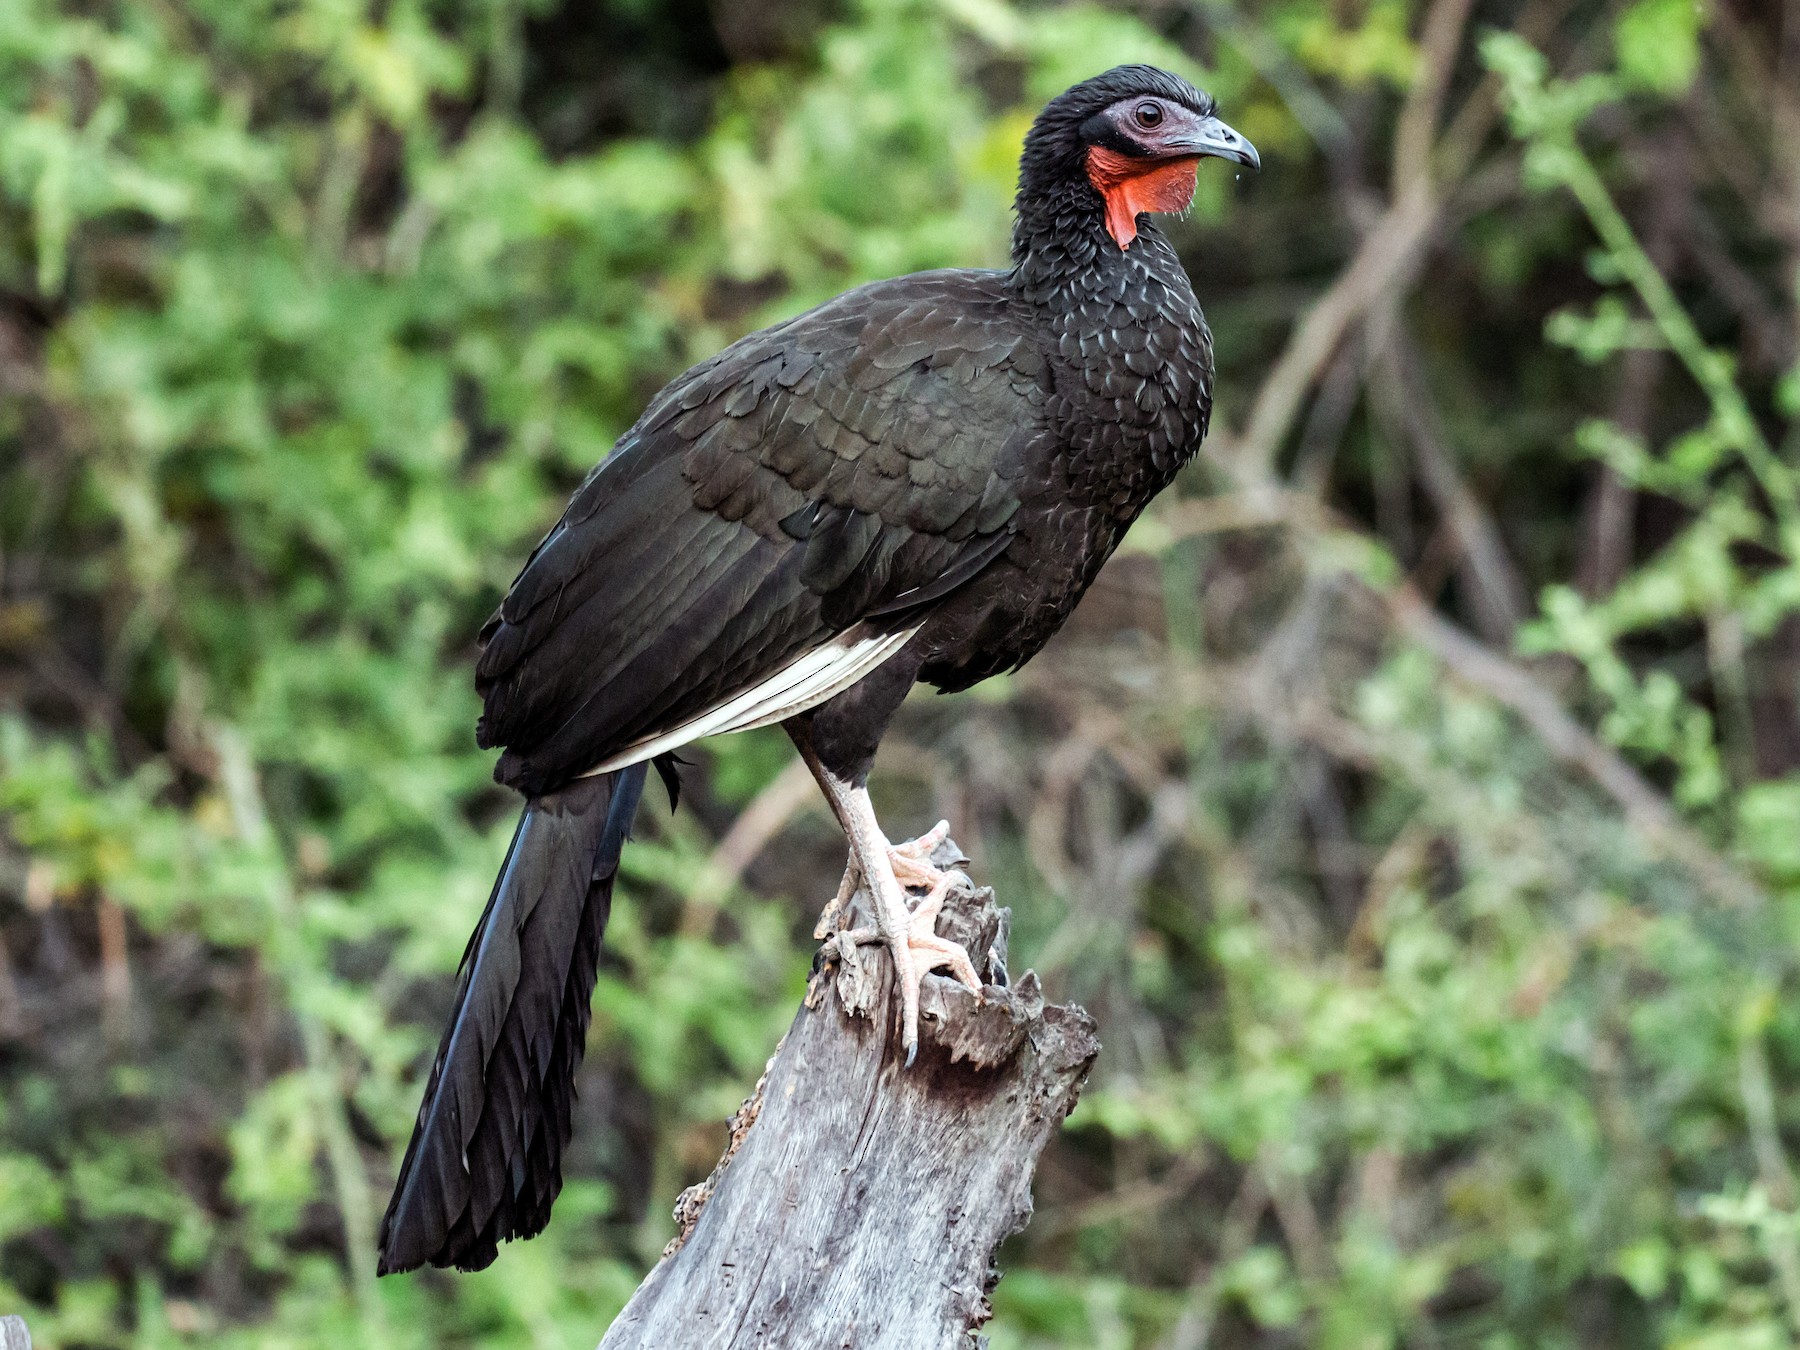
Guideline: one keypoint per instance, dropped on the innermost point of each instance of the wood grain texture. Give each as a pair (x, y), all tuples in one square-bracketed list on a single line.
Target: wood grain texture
[(13, 1335), (859, 1203)]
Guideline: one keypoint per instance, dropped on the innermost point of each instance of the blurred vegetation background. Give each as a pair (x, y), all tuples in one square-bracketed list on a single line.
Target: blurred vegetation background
[(1416, 802)]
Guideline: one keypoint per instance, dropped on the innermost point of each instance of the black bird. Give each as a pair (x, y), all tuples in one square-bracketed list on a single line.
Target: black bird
[(914, 481)]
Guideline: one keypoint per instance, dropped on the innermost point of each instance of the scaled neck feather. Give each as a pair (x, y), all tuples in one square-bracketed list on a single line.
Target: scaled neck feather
[(1063, 255)]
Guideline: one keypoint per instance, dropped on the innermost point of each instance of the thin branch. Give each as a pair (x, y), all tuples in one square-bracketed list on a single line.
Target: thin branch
[(1609, 526), (12, 1007), (1193, 1330), (1391, 249), (1440, 40), (788, 794), (1709, 370), (1299, 1220), (1646, 810), (1496, 590), (1315, 113), (1127, 1202), (237, 778), (1772, 1167), (115, 972)]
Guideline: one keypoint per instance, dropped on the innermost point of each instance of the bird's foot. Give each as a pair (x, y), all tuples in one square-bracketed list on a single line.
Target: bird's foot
[(911, 862), (910, 935)]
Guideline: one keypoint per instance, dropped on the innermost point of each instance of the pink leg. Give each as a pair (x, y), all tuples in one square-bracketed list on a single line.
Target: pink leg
[(909, 933)]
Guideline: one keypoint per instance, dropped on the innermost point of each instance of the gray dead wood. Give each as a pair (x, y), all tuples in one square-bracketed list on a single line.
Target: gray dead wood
[(859, 1202), (13, 1335)]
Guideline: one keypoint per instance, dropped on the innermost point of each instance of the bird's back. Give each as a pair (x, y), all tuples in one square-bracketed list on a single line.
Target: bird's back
[(843, 467)]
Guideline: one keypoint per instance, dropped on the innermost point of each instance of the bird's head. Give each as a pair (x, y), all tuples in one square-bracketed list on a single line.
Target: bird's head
[(1135, 136)]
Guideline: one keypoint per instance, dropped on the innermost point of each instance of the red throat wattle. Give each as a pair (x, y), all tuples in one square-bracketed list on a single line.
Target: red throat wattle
[(1129, 186)]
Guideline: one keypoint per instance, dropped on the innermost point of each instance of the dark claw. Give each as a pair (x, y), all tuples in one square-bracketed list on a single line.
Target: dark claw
[(912, 1053)]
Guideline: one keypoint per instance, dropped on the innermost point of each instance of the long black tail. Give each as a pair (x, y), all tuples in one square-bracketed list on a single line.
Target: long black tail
[(485, 1161)]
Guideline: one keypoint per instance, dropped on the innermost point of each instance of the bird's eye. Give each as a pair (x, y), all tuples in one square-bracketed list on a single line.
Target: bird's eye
[(1149, 114)]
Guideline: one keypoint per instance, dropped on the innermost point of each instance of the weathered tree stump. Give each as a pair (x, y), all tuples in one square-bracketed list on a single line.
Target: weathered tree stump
[(859, 1202)]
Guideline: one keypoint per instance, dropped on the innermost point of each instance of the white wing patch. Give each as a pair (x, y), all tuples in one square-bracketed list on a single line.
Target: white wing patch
[(805, 682)]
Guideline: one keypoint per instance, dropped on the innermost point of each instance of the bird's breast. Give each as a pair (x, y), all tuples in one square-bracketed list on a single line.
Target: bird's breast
[(1133, 380)]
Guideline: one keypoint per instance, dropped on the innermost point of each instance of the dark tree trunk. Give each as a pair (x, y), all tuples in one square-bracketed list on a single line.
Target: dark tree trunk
[(859, 1202)]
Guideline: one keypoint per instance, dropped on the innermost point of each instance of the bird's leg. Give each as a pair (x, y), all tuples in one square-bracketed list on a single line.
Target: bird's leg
[(909, 934)]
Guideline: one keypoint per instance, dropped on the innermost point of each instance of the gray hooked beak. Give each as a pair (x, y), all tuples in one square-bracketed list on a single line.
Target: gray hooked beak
[(1210, 136)]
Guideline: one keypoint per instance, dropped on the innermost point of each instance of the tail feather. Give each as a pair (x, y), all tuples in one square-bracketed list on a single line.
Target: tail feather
[(485, 1161)]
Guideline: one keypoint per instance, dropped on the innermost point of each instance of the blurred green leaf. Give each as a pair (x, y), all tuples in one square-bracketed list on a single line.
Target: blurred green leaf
[(1658, 43)]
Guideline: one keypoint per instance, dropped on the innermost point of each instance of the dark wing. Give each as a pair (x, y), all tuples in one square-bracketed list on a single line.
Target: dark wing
[(852, 464)]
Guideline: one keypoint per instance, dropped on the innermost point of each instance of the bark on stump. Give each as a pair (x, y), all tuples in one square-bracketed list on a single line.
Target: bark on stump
[(859, 1202)]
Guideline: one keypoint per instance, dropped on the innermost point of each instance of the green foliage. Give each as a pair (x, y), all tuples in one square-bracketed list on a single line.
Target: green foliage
[(1658, 43)]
